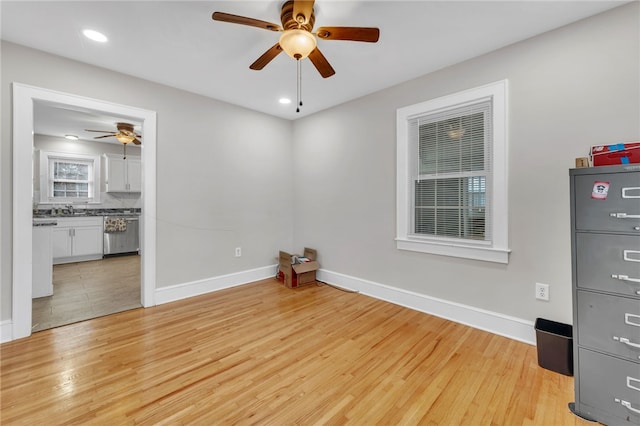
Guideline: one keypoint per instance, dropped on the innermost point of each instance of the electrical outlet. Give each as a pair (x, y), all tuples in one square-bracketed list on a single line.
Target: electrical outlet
[(542, 291), (238, 251)]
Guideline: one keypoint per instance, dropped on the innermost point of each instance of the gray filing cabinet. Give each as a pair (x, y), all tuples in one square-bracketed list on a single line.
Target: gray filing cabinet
[(605, 247)]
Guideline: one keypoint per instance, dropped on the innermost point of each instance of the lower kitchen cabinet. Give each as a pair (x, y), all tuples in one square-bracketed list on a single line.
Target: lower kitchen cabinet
[(77, 239)]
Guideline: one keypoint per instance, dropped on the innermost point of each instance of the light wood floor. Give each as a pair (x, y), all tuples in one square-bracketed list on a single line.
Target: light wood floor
[(264, 354), (85, 290)]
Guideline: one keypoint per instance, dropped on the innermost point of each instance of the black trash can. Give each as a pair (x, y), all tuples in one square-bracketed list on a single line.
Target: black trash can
[(555, 346)]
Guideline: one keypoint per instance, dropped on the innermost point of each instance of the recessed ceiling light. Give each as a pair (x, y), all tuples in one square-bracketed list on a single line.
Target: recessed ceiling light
[(95, 36), (71, 137), (285, 101)]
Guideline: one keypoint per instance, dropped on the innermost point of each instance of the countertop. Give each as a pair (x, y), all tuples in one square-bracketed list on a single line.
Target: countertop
[(46, 214)]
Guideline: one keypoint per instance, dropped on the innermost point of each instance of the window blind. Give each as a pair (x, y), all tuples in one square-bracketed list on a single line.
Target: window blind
[(451, 174)]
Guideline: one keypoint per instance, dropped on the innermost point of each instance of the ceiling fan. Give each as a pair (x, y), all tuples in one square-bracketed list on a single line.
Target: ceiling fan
[(125, 134), (297, 40)]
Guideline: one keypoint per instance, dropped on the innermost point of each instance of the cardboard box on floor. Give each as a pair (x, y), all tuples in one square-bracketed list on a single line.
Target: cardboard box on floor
[(297, 274)]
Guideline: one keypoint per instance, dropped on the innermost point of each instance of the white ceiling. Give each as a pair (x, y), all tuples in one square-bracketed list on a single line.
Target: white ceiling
[(176, 43)]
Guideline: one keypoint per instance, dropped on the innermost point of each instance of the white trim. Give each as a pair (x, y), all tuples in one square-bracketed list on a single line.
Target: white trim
[(488, 254), (24, 97), (499, 250), (493, 322), (208, 285), (6, 329)]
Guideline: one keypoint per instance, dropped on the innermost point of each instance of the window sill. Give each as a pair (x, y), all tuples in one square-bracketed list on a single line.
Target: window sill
[(487, 254)]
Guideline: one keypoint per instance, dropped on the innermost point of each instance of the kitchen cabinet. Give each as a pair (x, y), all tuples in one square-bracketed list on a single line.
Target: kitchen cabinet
[(605, 248), (77, 239), (123, 174)]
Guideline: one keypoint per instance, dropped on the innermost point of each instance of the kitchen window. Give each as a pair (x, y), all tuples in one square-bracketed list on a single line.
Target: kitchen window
[(452, 175), (69, 178)]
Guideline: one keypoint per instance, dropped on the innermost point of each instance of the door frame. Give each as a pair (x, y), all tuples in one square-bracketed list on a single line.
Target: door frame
[(24, 97)]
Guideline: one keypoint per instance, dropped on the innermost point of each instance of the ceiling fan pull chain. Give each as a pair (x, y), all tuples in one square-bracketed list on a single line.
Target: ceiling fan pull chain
[(299, 100), (124, 155)]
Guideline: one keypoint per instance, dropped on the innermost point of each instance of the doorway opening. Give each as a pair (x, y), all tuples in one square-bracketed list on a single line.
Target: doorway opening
[(24, 99)]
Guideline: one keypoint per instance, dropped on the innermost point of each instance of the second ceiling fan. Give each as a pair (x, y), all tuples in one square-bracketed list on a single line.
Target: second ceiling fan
[(297, 39)]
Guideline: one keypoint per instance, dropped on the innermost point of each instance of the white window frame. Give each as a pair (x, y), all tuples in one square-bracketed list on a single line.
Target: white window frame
[(496, 250), (46, 177)]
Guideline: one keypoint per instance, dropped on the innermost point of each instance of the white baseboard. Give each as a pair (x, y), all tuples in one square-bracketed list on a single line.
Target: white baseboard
[(493, 322), (208, 285), (6, 331)]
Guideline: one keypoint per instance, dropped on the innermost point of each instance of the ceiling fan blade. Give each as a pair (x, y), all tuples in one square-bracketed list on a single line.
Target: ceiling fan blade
[(242, 20), (137, 141), (105, 136), (320, 62), (302, 11), (266, 57), (370, 35), (99, 131)]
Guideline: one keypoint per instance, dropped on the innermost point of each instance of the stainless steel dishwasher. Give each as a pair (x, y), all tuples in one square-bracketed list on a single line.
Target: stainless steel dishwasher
[(121, 235)]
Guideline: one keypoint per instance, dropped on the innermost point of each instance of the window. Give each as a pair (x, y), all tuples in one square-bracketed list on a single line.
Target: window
[(69, 178), (451, 183)]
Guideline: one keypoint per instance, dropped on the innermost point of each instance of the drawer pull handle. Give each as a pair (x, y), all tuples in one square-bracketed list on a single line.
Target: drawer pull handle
[(627, 405), (625, 278), (626, 255), (633, 188), (626, 342), (627, 319), (624, 216), (630, 386)]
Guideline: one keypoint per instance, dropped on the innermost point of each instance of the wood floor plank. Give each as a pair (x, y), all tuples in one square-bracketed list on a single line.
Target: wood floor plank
[(264, 354)]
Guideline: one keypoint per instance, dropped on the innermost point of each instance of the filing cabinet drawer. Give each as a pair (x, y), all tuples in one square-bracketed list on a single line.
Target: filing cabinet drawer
[(610, 324), (608, 262), (619, 211), (611, 386)]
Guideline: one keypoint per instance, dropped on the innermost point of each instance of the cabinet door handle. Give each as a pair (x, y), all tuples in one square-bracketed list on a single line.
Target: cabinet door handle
[(634, 188), (626, 342), (630, 386), (624, 216), (625, 278), (627, 405), (627, 258), (627, 319)]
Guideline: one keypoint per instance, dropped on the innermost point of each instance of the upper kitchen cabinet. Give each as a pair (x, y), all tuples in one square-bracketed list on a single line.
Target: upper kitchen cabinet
[(123, 175)]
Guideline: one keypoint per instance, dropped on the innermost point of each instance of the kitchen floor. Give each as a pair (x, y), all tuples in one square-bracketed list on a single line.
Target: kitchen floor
[(85, 290)]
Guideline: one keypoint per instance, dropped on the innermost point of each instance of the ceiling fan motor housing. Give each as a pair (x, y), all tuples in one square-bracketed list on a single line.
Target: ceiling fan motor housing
[(289, 22)]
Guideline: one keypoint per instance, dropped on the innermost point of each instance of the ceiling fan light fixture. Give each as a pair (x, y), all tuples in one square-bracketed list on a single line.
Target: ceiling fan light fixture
[(124, 139), (298, 44)]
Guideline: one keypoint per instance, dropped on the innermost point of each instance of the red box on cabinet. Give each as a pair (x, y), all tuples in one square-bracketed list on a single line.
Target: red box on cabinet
[(620, 153)]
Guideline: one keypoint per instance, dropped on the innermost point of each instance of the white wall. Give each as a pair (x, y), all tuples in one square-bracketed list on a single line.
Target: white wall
[(569, 89), (223, 172)]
